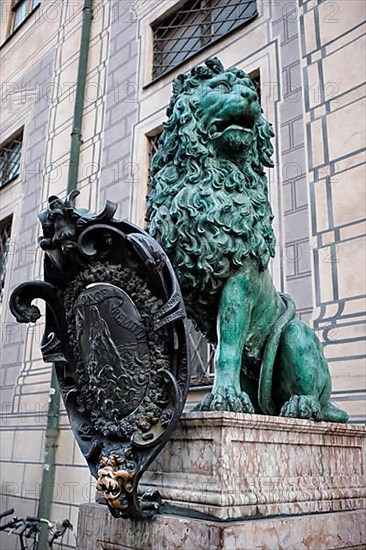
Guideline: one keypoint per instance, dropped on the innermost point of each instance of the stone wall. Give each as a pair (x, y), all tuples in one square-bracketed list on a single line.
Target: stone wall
[(333, 69), (121, 110)]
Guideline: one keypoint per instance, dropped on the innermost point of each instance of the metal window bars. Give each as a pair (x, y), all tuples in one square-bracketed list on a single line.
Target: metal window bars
[(195, 25), (10, 154), (5, 230), (201, 355), (153, 144)]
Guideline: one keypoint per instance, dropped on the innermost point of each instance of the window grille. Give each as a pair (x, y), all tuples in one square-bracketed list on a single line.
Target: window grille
[(10, 153), (201, 355), (195, 25), (5, 229), (153, 144), (153, 141)]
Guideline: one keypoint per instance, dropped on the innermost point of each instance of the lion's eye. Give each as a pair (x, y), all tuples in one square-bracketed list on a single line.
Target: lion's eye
[(225, 86)]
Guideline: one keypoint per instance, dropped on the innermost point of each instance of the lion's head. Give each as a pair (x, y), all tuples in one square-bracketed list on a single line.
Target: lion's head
[(208, 205)]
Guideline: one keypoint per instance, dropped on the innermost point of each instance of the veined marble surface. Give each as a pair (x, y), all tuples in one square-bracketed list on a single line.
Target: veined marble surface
[(232, 466), (98, 530), (263, 482)]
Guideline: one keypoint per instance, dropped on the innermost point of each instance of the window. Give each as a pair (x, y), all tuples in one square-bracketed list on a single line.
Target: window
[(5, 229), (153, 140), (195, 25), (19, 14), (201, 355), (20, 11), (256, 79), (10, 153)]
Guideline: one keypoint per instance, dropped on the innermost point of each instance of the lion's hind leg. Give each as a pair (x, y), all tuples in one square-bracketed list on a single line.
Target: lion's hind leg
[(302, 406), (331, 413), (304, 384), (308, 407)]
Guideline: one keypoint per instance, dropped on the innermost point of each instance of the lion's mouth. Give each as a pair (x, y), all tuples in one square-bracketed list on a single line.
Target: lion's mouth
[(240, 122)]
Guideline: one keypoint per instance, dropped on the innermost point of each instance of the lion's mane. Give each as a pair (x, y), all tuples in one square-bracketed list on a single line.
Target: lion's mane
[(207, 212)]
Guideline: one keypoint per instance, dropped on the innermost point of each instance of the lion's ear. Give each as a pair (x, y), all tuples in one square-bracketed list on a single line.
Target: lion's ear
[(264, 134), (215, 65)]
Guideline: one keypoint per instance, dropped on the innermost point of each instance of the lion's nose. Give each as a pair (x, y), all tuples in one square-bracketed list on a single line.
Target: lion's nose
[(253, 96), (249, 95)]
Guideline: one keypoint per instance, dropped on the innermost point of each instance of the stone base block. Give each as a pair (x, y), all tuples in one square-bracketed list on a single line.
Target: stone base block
[(232, 466), (244, 482), (98, 530)]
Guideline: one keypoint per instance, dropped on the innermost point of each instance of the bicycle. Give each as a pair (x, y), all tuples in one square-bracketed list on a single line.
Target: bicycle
[(28, 529)]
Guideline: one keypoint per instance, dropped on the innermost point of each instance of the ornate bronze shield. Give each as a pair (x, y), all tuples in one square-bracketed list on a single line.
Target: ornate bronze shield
[(115, 331)]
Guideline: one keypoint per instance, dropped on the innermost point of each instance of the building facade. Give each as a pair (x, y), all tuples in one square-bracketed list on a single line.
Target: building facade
[(307, 59)]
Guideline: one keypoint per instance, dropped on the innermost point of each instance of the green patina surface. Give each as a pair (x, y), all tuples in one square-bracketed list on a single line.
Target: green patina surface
[(209, 209)]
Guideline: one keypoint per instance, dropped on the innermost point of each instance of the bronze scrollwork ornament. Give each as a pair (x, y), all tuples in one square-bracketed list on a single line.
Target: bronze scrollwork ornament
[(115, 330)]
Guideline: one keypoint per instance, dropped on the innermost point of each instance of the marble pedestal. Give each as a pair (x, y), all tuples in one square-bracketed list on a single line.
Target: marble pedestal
[(241, 482)]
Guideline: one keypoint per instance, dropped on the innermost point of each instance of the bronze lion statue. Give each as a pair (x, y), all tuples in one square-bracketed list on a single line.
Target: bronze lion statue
[(209, 209)]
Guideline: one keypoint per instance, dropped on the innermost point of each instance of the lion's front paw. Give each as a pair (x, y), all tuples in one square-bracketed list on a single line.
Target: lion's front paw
[(225, 399), (302, 406)]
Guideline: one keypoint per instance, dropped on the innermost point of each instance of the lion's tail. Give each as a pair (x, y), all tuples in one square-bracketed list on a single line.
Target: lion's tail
[(270, 351)]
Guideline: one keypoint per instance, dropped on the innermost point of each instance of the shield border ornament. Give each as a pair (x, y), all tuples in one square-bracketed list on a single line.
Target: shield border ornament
[(83, 249)]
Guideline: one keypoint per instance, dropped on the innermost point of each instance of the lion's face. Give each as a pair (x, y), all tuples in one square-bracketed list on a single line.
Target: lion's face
[(228, 109)]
